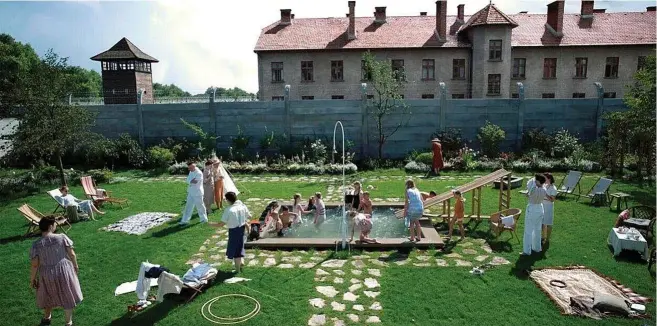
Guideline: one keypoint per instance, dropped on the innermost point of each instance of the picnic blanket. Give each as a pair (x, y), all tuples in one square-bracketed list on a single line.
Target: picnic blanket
[(571, 284), (140, 223)]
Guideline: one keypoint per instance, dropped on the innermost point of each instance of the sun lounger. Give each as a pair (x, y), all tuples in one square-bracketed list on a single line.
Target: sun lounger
[(33, 217), (54, 194), (99, 196), (570, 183), (601, 188)]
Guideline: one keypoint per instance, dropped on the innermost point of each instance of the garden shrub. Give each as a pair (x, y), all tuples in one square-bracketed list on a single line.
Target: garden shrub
[(537, 139), (425, 158), (565, 144), (309, 168), (520, 166), (97, 152), (47, 175), (100, 175), (159, 157), (490, 136), (240, 145), (489, 165), (589, 166), (349, 168), (181, 148), (178, 168), (130, 154), (17, 186), (316, 152), (416, 167), (451, 141), (375, 163)]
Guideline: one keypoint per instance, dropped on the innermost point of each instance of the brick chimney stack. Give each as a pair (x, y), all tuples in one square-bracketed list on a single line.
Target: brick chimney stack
[(286, 17), (441, 20), (351, 30), (555, 18), (651, 8), (380, 15), (460, 15), (423, 13), (587, 8)]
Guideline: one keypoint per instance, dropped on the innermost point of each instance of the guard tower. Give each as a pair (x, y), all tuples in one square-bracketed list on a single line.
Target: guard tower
[(126, 70)]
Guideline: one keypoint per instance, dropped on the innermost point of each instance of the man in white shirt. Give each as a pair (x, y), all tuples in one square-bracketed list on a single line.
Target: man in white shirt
[(194, 195), (235, 218)]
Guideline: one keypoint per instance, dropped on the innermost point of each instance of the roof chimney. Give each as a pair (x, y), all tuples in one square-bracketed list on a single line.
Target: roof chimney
[(441, 20), (380, 15), (286, 17), (651, 8), (351, 30), (292, 16), (423, 13), (460, 12), (555, 18), (347, 15), (523, 12), (587, 8)]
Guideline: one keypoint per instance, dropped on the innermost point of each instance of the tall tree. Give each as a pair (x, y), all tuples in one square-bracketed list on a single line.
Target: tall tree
[(86, 83), (16, 61), (387, 106), (48, 125), (171, 90)]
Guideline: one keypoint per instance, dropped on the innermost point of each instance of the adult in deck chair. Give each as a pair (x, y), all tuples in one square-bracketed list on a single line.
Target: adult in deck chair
[(601, 188), (99, 196), (33, 217), (569, 183)]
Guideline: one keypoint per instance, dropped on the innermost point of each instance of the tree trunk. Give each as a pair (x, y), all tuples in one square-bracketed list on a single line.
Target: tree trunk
[(62, 177), (380, 150)]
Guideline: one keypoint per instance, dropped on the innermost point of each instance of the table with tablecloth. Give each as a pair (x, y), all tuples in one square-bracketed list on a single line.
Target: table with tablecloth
[(623, 241)]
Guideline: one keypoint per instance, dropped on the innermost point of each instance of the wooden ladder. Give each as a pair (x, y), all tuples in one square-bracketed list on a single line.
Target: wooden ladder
[(505, 193)]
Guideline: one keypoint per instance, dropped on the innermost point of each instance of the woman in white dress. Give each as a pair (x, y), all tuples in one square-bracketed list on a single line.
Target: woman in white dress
[(534, 216), (548, 206), (85, 206), (208, 186)]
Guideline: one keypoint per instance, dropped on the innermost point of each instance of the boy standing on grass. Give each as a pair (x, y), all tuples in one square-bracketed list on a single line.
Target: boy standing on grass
[(235, 218), (458, 215)]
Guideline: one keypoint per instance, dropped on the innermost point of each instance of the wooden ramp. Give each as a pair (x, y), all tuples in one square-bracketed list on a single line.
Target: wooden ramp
[(475, 187)]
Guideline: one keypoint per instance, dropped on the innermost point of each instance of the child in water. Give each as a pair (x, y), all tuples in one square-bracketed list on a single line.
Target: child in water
[(458, 215), (364, 223), (365, 204), (320, 210)]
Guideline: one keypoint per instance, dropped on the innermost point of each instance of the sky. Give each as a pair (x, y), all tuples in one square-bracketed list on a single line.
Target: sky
[(205, 43)]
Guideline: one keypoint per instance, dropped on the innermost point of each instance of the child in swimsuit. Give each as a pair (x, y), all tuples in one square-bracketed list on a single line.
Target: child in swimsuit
[(458, 215), (297, 209), (320, 210), (285, 217), (364, 223), (365, 204)]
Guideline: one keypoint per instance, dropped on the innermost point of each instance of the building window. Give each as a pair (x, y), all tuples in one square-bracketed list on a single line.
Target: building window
[(609, 95), (428, 69), (337, 70), (579, 95), (494, 84), (495, 50), (278, 98), (306, 71), (365, 71), (398, 69), (458, 68), (104, 65), (548, 95), (307, 97), (515, 95), (581, 67), (427, 96), (370, 96), (611, 69), (642, 63), (458, 96), (519, 65), (550, 68), (277, 72), (337, 97)]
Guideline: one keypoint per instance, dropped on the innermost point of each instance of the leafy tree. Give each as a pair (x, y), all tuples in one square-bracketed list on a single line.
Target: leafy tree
[(490, 136), (49, 127), (164, 90), (387, 106), (87, 83), (16, 61)]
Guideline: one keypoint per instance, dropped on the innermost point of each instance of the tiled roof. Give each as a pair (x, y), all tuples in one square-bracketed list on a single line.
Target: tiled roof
[(489, 15), (418, 32), (123, 50)]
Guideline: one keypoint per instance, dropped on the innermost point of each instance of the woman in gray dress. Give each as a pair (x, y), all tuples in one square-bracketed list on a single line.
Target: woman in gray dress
[(54, 272)]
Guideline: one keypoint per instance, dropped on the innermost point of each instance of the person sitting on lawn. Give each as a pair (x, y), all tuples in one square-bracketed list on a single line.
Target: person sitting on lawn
[(366, 204), (320, 210), (364, 224), (84, 206), (458, 215)]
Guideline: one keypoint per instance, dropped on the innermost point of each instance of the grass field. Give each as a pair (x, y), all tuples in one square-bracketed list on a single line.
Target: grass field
[(410, 295)]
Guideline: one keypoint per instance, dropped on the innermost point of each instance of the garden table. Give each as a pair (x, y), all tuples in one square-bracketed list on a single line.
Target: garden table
[(624, 241), (620, 198)]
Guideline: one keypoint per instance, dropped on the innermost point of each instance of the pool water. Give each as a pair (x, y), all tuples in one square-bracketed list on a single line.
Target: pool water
[(384, 225)]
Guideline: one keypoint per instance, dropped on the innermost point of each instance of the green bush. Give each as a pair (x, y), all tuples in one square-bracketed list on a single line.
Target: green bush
[(130, 154), (490, 136), (181, 149), (489, 165), (17, 186), (240, 145), (47, 175), (537, 139), (425, 158), (416, 167), (565, 144), (178, 169), (101, 175), (159, 158)]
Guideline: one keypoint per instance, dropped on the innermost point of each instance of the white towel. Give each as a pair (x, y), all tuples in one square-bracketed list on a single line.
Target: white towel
[(168, 283), (508, 221), (128, 287)]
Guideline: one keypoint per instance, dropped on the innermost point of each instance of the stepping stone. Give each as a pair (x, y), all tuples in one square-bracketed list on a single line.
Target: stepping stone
[(487, 248), (466, 244), (373, 320), (371, 283), (253, 263), (285, 266), (286, 253), (376, 306), (360, 257), (353, 318), (356, 272), (338, 306), (421, 264), (401, 262), (453, 255), (328, 291), (354, 281), (499, 261), (317, 320), (371, 294), (358, 264), (249, 256), (422, 258), (349, 297), (441, 262), (221, 231), (338, 280), (307, 265), (217, 257), (269, 262), (334, 263), (374, 272), (338, 272), (293, 259), (320, 279), (216, 236), (321, 272), (469, 251), (481, 258), (355, 287), (316, 258), (338, 322), (463, 263), (384, 256), (266, 255), (358, 307), (317, 302)]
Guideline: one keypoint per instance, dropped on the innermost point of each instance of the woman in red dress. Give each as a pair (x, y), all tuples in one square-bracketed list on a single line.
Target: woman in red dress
[(437, 156)]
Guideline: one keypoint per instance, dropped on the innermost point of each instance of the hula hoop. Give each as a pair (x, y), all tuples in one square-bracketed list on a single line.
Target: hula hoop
[(227, 320)]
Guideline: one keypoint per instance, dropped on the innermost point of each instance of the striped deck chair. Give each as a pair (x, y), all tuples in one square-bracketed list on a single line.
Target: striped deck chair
[(33, 217), (600, 188), (570, 183), (99, 196), (54, 194)]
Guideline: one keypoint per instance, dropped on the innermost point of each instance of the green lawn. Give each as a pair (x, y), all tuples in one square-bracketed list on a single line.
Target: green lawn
[(409, 295)]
